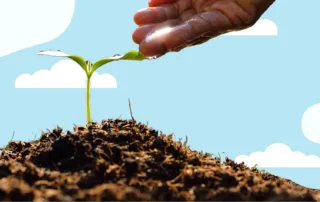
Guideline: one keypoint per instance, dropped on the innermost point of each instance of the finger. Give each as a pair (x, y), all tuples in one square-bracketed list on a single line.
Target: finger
[(153, 3), (141, 32), (237, 15), (194, 42), (152, 42), (188, 14), (179, 37), (155, 14), (197, 30), (198, 41)]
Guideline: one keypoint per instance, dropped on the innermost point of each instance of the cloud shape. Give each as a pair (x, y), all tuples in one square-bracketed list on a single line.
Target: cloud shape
[(279, 155), (32, 22), (310, 123), (264, 27), (64, 74)]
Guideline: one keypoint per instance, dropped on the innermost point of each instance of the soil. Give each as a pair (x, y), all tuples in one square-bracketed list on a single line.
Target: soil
[(126, 160)]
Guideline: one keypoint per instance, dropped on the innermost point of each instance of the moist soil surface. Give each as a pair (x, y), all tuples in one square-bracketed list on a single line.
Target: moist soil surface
[(126, 160)]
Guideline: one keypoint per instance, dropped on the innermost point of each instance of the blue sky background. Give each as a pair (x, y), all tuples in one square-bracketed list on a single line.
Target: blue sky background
[(236, 95)]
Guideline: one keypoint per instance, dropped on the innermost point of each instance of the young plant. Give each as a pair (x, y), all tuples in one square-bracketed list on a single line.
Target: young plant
[(90, 68)]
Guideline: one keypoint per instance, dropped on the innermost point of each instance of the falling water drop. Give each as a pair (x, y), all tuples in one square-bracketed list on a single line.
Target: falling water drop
[(152, 58)]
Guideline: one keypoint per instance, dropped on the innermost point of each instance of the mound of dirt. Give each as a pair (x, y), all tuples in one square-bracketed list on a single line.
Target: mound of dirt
[(125, 160)]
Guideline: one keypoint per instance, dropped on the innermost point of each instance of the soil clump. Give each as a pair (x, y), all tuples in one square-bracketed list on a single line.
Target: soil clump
[(125, 160)]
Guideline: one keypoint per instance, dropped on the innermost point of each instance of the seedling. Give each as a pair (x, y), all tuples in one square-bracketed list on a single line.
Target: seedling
[(90, 68)]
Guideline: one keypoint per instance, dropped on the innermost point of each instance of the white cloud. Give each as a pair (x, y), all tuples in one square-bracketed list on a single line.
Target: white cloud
[(64, 74), (310, 123), (264, 27), (32, 22), (279, 155)]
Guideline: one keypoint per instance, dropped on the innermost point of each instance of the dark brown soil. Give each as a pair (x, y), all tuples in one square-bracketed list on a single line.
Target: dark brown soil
[(124, 160)]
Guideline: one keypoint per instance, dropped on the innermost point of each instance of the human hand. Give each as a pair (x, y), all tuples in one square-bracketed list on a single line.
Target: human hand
[(171, 25)]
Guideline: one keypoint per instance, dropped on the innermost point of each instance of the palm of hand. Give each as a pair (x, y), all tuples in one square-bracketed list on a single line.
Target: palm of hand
[(190, 22)]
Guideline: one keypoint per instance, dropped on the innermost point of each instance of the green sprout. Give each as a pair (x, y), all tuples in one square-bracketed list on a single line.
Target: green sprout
[(90, 68)]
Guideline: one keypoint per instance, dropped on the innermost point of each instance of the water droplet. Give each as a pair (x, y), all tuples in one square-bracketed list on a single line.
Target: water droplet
[(152, 58)]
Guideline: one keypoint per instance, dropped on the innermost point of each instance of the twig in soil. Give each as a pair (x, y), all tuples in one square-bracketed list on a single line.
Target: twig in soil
[(158, 166), (7, 146), (178, 176), (171, 136), (185, 142), (35, 141), (255, 167), (133, 120), (12, 136), (220, 159)]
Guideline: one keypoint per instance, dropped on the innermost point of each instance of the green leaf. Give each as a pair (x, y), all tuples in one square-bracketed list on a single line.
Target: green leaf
[(75, 58), (131, 55), (80, 61)]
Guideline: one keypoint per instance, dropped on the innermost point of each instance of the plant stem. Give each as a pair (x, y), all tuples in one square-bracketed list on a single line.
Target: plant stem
[(88, 100)]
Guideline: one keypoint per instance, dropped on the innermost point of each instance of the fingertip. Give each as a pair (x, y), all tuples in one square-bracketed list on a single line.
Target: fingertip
[(149, 16), (137, 16), (141, 32), (150, 3), (152, 48), (134, 37)]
